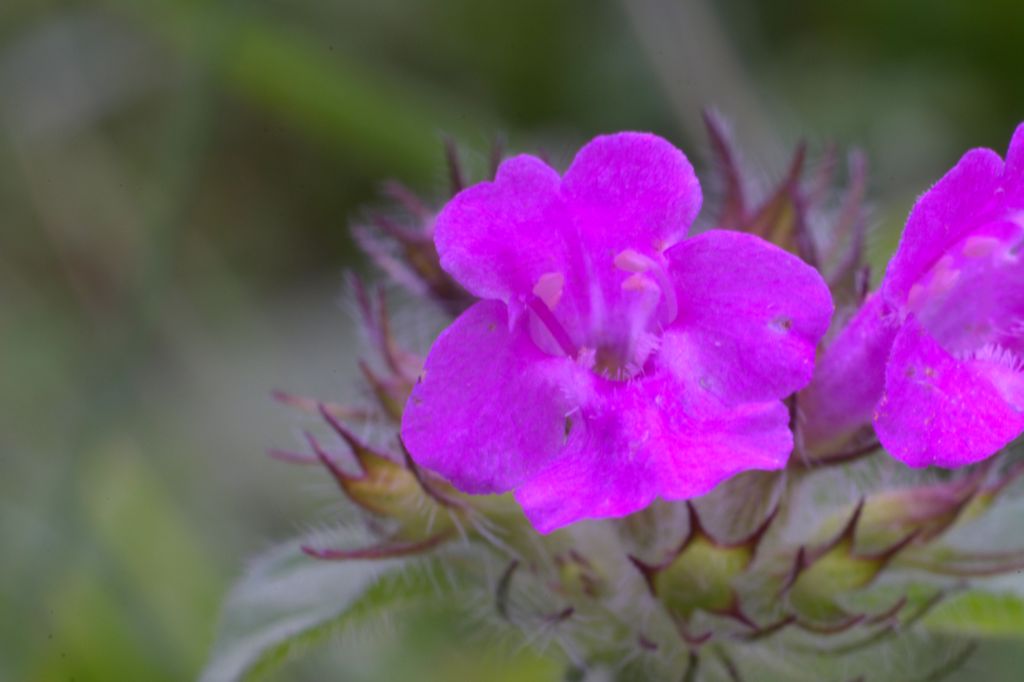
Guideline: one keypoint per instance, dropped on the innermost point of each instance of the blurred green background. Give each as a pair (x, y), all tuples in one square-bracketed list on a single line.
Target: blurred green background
[(176, 181)]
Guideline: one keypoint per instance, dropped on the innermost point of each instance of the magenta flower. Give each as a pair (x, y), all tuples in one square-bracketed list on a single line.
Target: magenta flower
[(609, 363), (935, 357)]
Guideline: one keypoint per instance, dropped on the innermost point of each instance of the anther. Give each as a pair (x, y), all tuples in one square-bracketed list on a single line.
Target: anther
[(549, 288), (639, 264)]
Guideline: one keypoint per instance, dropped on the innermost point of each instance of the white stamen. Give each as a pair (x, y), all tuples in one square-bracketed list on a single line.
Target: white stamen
[(637, 263), (549, 288), (639, 282), (632, 261)]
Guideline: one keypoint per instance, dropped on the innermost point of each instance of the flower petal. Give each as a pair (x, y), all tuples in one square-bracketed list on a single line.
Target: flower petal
[(750, 316), (611, 464), (631, 190), (491, 407), (650, 439), (938, 410), (498, 238), (722, 441), (849, 379), (1013, 174), (949, 211), (589, 480)]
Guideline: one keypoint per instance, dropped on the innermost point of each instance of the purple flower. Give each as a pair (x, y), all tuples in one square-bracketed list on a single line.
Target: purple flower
[(610, 362), (935, 357)]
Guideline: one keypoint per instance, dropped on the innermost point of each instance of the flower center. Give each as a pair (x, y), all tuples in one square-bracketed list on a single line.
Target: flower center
[(616, 364), (972, 302), (613, 325), (642, 267), (974, 295)]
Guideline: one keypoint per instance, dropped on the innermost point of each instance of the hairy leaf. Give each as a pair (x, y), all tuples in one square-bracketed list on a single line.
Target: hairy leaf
[(288, 601)]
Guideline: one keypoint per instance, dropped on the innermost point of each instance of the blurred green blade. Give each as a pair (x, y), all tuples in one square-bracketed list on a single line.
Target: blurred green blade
[(364, 110), (289, 601)]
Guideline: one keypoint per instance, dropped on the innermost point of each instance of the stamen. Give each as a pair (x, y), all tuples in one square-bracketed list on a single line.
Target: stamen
[(632, 261), (637, 263), (549, 288), (638, 282), (552, 324), (668, 291)]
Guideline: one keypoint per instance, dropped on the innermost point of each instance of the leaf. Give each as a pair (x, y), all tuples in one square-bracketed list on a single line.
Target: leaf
[(902, 657), (289, 601), (978, 613)]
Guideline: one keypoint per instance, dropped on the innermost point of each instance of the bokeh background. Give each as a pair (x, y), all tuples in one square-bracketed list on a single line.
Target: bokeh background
[(176, 182)]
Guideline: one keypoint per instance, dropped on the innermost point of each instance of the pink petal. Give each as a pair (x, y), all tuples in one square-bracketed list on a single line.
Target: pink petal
[(491, 408), (1013, 175), (937, 410), (850, 377), (593, 478), (955, 206), (750, 316), (647, 439), (498, 238), (631, 190), (715, 442)]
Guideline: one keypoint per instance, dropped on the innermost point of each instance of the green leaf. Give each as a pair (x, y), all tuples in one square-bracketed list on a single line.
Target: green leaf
[(289, 601), (977, 613)]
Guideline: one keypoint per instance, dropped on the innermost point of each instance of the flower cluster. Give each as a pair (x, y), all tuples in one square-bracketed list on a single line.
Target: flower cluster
[(612, 361), (695, 439)]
